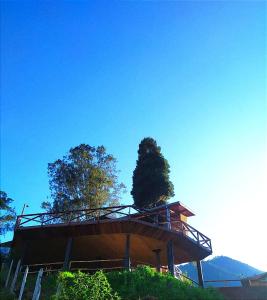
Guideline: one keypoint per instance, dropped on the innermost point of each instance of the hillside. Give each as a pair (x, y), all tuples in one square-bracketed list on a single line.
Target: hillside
[(220, 268)]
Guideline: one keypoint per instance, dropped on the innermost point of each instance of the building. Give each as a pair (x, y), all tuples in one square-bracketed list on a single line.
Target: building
[(110, 238)]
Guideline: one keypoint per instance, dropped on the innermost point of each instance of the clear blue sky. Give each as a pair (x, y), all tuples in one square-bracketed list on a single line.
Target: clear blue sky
[(192, 75)]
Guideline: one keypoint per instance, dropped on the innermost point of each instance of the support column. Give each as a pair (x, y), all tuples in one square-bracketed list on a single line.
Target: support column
[(158, 262), (66, 264), (200, 274), (127, 260), (170, 257), (24, 252)]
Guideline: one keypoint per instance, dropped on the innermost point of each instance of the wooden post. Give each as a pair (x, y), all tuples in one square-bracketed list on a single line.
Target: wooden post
[(170, 257), (12, 287), (168, 218), (9, 272), (127, 261), (37, 289), (158, 263), (66, 264), (200, 274), (23, 283)]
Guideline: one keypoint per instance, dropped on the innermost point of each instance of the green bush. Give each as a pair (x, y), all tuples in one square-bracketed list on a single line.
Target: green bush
[(145, 283), (81, 286)]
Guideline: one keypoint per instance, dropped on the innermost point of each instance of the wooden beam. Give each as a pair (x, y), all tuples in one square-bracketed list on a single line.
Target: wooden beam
[(158, 262), (127, 260), (170, 257), (200, 274), (67, 254)]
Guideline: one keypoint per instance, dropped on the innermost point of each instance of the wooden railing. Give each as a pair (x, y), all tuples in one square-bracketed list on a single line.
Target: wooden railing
[(73, 216), (95, 215), (88, 266)]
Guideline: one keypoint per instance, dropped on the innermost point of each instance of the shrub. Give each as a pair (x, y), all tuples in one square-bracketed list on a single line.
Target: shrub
[(81, 286), (145, 283)]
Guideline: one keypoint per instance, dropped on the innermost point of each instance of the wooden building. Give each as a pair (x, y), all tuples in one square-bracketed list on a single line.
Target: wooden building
[(257, 280), (110, 238)]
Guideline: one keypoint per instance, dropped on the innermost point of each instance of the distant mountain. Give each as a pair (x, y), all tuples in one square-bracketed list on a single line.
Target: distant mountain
[(220, 268)]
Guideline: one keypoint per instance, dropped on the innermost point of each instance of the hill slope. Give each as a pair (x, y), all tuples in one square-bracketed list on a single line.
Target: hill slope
[(221, 268)]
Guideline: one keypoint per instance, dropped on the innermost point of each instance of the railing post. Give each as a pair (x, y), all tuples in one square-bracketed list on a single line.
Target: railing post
[(58, 290), (12, 287), (17, 222), (2, 266), (183, 228), (23, 283), (168, 217), (37, 289), (9, 272), (129, 212), (156, 219)]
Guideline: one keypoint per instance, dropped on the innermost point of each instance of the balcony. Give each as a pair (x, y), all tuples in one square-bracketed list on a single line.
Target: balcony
[(166, 217)]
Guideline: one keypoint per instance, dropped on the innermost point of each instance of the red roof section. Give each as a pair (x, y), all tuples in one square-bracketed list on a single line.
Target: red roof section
[(175, 207)]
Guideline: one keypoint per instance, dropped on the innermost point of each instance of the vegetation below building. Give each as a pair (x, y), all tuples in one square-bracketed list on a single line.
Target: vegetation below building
[(143, 283), (146, 283)]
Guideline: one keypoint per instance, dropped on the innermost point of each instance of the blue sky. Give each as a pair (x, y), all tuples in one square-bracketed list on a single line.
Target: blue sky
[(192, 75)]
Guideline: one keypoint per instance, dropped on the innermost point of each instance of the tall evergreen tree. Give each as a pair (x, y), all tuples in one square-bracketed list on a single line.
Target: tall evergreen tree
[(151, 184)]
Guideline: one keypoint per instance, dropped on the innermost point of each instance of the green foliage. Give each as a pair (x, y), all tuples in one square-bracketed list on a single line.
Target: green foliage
[(145, 283), (7, 213), (85, 178), (151, 183), (6, 295), (81, 286)]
